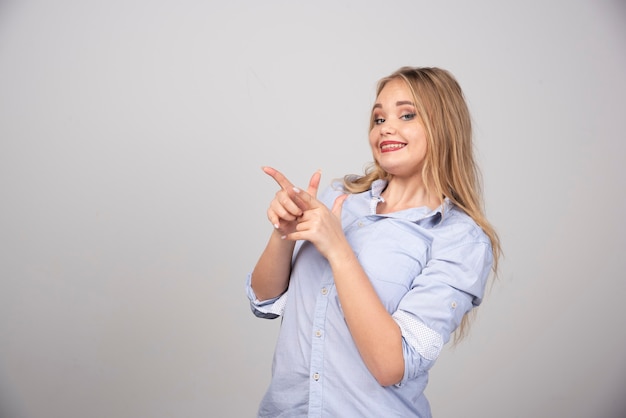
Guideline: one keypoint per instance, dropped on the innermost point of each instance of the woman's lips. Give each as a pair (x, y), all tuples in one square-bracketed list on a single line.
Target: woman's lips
[(390, 146)]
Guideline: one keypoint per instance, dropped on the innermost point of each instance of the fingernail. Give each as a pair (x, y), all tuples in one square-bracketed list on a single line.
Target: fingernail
[(276, 226), (295, 189), (283, 236)]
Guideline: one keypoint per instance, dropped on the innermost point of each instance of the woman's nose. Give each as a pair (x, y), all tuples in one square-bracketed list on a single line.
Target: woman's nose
[(387, 129)]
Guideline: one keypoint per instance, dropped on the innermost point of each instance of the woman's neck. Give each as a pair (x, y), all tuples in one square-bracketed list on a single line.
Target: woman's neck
[(400, 195)]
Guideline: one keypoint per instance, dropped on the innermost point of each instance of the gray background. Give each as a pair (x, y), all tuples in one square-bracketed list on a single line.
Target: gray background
[(132, 201)]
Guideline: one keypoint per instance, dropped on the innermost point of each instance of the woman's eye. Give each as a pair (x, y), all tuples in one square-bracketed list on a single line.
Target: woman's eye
[(378, 121), (408, 116)]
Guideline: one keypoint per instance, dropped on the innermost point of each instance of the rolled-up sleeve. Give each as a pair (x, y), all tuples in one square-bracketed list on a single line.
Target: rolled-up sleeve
[(269, 309), (451, 284)]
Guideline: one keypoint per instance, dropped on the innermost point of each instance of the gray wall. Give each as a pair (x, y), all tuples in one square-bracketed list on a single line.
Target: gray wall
[(132, 201)]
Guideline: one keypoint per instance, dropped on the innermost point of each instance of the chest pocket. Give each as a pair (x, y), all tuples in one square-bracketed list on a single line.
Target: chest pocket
[(392, 252)]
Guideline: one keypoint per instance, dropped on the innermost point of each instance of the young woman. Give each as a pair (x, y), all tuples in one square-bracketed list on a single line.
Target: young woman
[(376, 274)]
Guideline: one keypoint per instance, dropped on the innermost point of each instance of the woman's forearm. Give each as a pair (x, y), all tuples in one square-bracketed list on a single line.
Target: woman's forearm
[(375, 332), (270, 276)]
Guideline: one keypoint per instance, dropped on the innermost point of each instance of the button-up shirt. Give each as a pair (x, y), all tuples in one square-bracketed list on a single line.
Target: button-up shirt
[(428, 267)]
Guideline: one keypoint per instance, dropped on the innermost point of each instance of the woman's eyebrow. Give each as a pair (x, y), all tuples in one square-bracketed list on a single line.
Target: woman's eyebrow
[(400, 103)]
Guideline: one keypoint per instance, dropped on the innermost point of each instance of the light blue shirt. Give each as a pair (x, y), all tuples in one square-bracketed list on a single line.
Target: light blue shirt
[(429, 268)]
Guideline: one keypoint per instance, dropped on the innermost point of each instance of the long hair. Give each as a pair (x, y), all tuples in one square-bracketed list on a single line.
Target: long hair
[(449, 164)]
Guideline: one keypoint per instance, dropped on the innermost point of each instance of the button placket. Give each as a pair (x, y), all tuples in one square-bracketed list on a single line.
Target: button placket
[(317, 350)]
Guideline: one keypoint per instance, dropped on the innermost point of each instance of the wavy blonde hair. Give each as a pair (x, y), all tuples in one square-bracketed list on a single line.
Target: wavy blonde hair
[(449, 165)]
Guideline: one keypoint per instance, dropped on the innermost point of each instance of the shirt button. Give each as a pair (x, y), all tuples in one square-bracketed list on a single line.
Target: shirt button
[(318, 333), (360, 224), (316, 376), (453, 305), (324, 291)]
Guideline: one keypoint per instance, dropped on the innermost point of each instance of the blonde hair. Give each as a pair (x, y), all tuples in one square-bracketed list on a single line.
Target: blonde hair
[(449, 165)]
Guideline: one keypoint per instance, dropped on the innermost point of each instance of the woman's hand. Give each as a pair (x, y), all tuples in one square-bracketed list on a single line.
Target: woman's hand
[(298, 215), (284, 212)]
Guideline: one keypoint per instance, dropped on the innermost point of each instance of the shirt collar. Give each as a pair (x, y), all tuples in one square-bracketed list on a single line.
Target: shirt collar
[(413, 214)]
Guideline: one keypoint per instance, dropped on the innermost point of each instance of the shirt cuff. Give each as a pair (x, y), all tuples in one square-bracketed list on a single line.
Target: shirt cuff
[(421, 345), (270, 308)]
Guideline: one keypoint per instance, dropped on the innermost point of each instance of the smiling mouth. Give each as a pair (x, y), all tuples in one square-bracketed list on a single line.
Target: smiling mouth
[(388, 147)]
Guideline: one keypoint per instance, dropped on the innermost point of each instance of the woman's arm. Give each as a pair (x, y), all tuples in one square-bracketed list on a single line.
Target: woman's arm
[(270, 277), (375, 333)]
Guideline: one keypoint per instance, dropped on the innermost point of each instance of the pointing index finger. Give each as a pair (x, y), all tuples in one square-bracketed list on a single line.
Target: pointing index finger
[(278, 177)]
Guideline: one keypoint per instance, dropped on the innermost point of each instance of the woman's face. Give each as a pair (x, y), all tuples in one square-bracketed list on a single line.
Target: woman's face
[(397, 138)]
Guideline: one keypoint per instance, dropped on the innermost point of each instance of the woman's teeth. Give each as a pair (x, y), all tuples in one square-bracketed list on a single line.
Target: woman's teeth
[(389, 147)]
